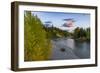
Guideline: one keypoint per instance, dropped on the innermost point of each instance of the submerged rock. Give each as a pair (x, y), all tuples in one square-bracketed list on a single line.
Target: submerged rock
[(62, 49)]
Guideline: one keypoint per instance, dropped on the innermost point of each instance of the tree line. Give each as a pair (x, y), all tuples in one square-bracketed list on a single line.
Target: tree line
[(82, 34), (77, 34)]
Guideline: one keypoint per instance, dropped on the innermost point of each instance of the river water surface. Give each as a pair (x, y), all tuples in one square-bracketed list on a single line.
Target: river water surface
[(64, 48)]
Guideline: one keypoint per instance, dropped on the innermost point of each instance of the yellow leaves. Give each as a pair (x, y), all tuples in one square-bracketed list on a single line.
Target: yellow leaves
[(38, 57), (78, 30), (36, 44), (58, 35)]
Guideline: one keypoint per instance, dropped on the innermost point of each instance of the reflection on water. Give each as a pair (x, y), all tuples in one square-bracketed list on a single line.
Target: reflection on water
[(82, 49), (70, 43), (72, 49)]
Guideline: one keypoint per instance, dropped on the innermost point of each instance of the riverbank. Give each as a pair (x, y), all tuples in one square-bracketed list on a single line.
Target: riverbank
[(82, 39)]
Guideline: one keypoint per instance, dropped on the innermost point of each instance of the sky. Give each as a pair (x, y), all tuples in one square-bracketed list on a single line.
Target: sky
[(57, 19)]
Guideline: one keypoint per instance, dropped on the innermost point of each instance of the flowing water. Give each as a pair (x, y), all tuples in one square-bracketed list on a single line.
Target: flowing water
[(64, 48)]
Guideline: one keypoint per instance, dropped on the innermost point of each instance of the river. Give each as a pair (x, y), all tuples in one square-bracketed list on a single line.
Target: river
[(66, 48)]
